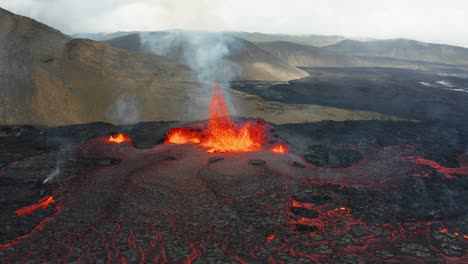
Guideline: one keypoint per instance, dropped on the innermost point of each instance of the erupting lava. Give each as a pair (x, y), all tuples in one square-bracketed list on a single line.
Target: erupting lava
[(183, 135), (280, 148), (221, 134), (43, 203), (119, 138)]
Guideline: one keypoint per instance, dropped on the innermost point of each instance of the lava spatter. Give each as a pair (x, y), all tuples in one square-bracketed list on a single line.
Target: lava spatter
[(221, 134), (119, 138), (280, 148)]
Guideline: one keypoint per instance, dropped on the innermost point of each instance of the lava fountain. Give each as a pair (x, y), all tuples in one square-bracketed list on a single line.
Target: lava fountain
[(221, 134)]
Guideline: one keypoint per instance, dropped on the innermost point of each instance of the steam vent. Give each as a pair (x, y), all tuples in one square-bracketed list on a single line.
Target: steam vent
[(184, 146)]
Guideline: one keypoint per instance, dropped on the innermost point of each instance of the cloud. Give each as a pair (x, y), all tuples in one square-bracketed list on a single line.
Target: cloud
[(429, 20)]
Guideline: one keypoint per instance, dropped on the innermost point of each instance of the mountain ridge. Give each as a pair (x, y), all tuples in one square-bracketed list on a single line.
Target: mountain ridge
[(310, 56), (251, 62), (404, 49)]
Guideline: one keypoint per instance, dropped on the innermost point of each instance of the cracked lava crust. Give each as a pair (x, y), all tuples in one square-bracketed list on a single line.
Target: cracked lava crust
[(327, 192)]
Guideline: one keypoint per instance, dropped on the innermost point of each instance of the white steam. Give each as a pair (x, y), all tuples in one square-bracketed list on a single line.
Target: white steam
[(54, 173), (205, 53), (125, 110)]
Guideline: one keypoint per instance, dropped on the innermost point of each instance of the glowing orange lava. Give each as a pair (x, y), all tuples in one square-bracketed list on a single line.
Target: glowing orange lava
[(183, 135), (43, 203), (221, 134), (280, 148), (119, 138)]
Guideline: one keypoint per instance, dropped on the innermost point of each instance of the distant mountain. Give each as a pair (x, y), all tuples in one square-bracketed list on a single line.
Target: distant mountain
[(102, 36), (250, 62), (400, 53), (313, 40), (404, 49), (310, 56)]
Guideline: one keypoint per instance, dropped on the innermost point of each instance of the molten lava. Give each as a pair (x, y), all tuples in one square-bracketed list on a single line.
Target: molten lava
[(280, 148), (43, 203), (221, 134), (119, 138), (183, 135)]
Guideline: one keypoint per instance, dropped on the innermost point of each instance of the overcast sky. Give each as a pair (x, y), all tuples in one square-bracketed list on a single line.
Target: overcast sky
[(426, 20)]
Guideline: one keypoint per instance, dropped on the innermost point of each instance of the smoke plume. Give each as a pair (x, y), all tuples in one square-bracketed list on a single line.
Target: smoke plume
[(205, 53), (54, 173), (125, 110)]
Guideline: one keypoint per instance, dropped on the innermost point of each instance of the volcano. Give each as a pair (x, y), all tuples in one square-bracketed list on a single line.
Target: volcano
[(350, 165)]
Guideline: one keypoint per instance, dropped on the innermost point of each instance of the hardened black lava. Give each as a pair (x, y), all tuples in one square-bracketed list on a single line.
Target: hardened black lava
[(348, 192)]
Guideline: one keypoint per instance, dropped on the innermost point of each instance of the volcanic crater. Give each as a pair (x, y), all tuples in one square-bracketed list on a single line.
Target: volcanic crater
[(261, 193)]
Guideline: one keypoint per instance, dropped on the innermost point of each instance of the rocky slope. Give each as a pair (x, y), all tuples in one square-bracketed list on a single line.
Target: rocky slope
[(51, 79)]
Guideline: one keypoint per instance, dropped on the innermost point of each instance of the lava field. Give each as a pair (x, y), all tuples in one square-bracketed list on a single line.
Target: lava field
[(345, 192)]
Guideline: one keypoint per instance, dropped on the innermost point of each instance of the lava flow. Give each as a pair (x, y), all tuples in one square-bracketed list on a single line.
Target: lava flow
[(119, 138), (221, 134), (43, 203)]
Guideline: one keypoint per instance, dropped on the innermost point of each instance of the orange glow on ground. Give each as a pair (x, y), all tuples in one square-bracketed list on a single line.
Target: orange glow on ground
[(271, 237), (43, 203), (119, 138), (280, 148), (221, 134)]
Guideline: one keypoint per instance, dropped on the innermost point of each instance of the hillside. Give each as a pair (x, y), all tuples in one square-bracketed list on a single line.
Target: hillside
[(48, 78), (309, 56), (404, 49), (248, 62)]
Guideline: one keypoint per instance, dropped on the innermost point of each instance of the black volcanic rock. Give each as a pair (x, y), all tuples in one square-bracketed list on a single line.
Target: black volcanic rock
[(297, 164), (171, 157), (306, 228), (389, 206), (323, 156), (215, 159), (256, 162), (305, 212)]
